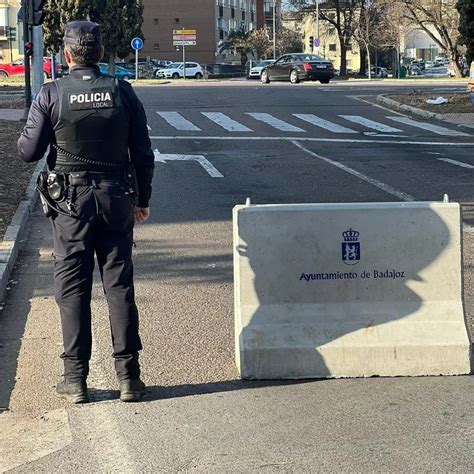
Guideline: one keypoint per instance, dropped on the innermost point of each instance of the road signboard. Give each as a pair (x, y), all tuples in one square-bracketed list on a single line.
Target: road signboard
[(317, 42), (184, 37), (184, 43), (184, 32), (137, 43)]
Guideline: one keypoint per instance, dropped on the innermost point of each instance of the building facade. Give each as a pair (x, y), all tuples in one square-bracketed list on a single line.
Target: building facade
[(9, 34), (213, 20)]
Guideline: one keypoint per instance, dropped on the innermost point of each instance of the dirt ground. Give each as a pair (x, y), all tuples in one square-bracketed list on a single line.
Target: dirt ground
[(457, 103), (14, 176)]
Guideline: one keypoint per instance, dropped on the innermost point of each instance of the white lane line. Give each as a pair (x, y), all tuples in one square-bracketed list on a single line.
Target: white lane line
[(319, 122), (148, 126), (380, 127), (457, 163), (226, 122), (177, 121), (201, 159), (430, 127), (312, 139), (274, 122), (378, 184)]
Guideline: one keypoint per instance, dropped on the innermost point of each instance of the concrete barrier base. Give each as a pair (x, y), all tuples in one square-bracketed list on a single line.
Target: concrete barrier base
[(349, 290)]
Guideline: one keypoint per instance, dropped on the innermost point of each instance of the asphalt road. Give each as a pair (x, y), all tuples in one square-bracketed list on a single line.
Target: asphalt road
[(217, 145)]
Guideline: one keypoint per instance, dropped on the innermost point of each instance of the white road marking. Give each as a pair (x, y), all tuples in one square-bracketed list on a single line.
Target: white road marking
[(312, 139), (380, 127), (457, 163), (319, 122), (430, 127), (378, 184), (375, 134), (274, 122), (206, 164), (148, 126), (226, 122), (177, 121)]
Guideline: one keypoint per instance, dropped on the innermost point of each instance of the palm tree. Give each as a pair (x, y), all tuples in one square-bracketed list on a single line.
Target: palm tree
[(237, 41)]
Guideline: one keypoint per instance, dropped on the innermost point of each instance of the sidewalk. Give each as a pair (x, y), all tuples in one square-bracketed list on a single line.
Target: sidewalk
[(420, 424)]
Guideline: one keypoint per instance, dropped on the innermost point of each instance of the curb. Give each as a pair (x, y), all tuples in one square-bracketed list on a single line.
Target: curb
[(12, 240), (416, 111)]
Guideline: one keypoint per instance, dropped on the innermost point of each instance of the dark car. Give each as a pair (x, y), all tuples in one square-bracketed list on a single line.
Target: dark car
[(299, 67)]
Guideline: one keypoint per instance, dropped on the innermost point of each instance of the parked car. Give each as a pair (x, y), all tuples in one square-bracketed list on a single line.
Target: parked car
[(175, 71), (298, 67), (256, 70), (414, 70), (419, 63), (377, 72), (120, 72), (17, 67)]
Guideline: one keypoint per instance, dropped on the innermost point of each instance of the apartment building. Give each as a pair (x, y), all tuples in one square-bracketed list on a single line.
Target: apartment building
[(213, 20), (9, 34)]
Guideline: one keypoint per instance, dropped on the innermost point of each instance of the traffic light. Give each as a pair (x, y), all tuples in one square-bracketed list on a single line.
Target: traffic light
[(11, 33), (29, 49), (35, 12), (311, 39)]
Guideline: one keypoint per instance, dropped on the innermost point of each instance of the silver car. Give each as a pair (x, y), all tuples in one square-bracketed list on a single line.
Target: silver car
[(255, 72)]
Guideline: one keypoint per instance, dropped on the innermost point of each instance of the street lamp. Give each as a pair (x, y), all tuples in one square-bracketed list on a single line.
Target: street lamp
[(274, 30), (317, 21)]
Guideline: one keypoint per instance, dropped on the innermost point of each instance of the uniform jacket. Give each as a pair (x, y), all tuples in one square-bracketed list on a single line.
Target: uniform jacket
[(38, 132)]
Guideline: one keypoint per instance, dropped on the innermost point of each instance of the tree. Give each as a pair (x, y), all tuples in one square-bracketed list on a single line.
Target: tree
[(440, 21), (367, 31), (259, 41), (466, 27), (238, 41), (58, 13), (338, 13), (120, 22), (288, 41)]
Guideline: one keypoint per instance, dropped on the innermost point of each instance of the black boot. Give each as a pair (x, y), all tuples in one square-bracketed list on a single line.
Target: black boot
[(131, 390), (73, 392)]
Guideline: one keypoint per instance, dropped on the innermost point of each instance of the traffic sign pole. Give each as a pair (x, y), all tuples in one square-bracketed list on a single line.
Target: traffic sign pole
[(184, 62), (137, 44)]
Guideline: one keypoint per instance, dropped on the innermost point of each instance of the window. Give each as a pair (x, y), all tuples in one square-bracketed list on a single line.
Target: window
[(243, 16), (221, 11), (333, 47), (232, 12), (221, 34), (155, 21)]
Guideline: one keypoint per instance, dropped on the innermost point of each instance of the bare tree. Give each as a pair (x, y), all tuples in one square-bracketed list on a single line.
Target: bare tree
[(338, 13), (440, 21)]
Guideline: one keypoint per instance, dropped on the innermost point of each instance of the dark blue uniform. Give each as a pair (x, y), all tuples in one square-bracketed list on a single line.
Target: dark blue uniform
[(97, 217)]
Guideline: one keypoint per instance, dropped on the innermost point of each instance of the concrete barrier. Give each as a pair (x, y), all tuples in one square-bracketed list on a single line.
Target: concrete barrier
[(349, 290)]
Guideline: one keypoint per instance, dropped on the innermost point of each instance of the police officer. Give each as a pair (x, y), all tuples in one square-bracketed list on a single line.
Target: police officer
[(95, 127)]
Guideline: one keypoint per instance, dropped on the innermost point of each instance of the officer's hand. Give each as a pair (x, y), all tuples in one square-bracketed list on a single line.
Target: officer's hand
[(141, 214)]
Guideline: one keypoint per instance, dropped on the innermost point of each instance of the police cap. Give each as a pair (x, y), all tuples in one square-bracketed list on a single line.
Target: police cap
[(83, 33)]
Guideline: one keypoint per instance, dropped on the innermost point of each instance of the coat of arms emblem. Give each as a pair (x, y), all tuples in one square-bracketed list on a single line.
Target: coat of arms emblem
[(351, 247)]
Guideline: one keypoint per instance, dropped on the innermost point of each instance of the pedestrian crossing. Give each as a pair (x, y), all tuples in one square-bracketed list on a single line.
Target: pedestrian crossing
[(343, 124)]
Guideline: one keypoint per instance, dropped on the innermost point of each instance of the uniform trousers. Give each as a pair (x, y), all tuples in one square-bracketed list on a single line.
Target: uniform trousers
[(101, 224)]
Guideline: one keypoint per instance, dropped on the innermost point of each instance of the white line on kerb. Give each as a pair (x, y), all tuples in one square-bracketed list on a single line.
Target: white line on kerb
[(457, 163), (309, 139), (378, 184)]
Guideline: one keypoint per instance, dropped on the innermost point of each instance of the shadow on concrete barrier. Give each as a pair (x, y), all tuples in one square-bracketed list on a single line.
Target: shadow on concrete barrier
[(349, 290)]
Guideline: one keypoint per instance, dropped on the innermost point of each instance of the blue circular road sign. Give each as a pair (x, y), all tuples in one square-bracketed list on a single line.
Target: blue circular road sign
[(137, 43)]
